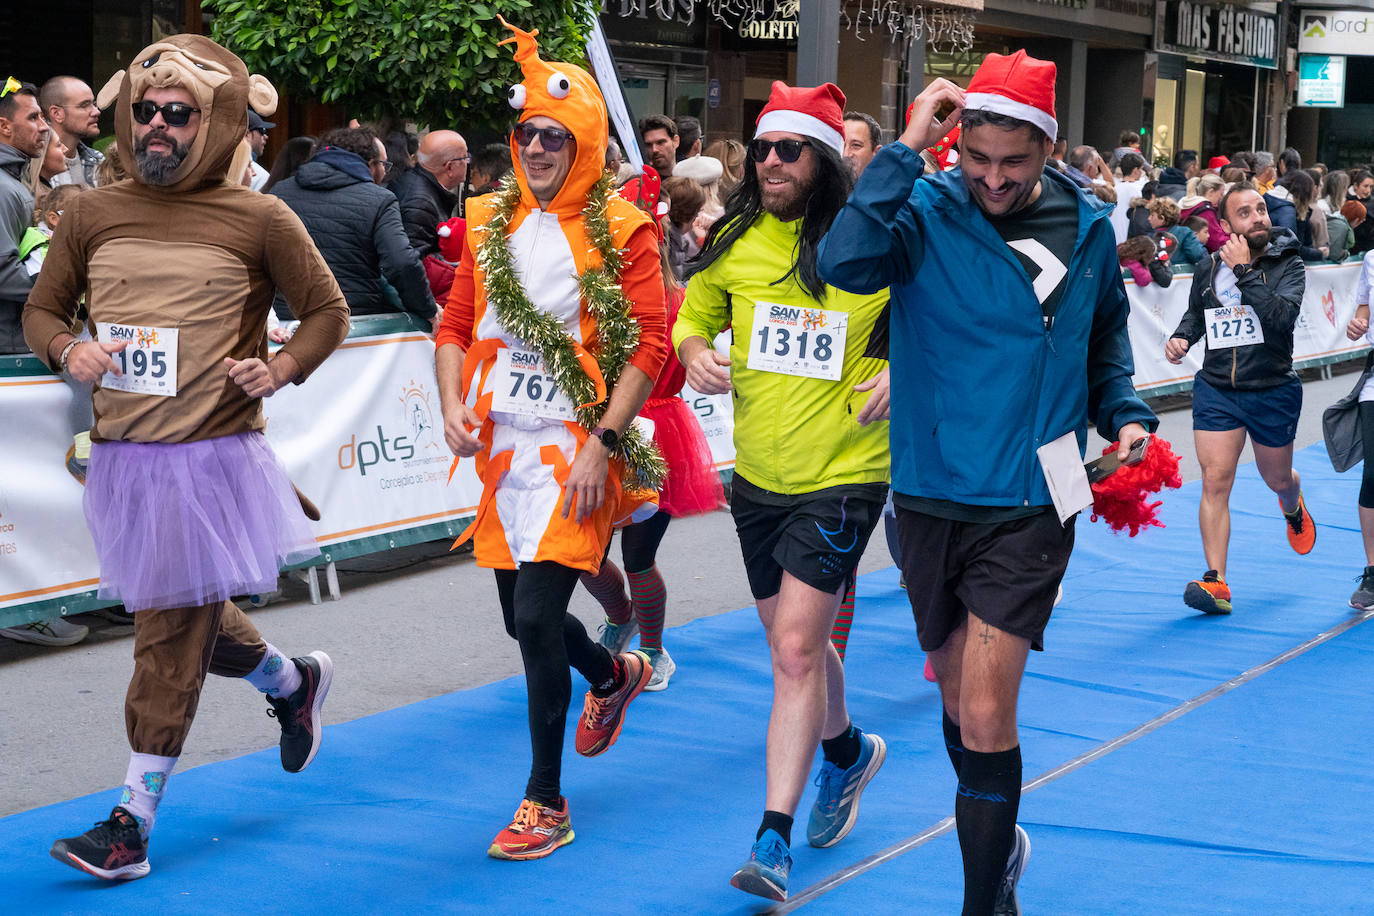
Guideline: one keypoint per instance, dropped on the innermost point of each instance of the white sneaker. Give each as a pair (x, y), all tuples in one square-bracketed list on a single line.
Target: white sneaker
[(664, 666), (55, 632)]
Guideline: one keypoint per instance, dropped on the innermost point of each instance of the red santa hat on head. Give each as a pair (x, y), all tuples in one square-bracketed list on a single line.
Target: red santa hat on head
[(1018, 86), (815, 112)]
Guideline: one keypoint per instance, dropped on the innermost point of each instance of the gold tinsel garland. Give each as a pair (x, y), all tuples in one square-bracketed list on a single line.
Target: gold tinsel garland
[(617, 335)]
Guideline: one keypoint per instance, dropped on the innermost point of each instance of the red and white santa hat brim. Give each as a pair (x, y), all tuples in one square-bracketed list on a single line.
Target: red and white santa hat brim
[(1018, 86), (816, 112)]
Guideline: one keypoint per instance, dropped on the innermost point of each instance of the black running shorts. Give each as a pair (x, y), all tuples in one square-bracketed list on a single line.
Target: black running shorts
[(1006, 573), (818, 537)]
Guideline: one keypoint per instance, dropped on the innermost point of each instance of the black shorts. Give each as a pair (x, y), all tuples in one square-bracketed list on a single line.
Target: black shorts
[(818, 537), (1006, 573), (1270, 415)]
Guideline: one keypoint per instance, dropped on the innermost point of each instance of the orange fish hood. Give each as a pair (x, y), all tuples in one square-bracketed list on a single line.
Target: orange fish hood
[(569, 95)]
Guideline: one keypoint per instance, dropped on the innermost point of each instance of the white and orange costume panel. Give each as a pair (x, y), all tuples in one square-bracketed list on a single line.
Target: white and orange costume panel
[(525, 460)]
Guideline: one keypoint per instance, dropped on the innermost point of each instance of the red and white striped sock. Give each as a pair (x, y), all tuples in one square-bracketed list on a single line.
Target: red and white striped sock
[(839, 634), (608, 588), (649, 598)]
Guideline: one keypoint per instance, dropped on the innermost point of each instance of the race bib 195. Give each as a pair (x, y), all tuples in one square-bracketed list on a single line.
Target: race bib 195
[(148, 365), (798, 341), (519, 385), (1233, 326)]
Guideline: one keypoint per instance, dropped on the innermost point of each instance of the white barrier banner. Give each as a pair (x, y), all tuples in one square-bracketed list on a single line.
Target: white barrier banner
[(45, 549), (364, 439), (1327, 306)]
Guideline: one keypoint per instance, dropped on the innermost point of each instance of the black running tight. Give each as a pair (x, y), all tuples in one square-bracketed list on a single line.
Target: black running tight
[(639, 543), (534, 603), (1367, 432)]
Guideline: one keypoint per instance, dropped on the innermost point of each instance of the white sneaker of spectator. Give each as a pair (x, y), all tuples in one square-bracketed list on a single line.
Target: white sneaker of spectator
[(55, 632)]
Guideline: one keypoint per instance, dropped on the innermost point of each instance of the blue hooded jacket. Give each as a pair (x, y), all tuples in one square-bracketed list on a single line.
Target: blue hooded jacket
[(978, 380)]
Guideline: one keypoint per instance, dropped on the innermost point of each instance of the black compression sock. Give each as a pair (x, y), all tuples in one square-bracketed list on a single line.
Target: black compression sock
[(954, 743), (843, 749), (615, 683), (777, 821), (985, 812)]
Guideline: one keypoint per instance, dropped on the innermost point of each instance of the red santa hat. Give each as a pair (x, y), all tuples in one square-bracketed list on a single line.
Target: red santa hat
[(1018, 86), (815, 112)]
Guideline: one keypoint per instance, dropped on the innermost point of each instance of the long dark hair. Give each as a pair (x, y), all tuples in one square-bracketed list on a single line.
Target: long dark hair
[(744, 205)]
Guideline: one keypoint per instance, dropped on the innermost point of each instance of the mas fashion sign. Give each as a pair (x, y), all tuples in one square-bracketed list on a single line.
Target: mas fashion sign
[(1218, 31), (1348, 32)]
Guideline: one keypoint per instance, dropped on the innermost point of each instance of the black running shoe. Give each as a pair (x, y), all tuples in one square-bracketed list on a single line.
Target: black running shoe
[(113, 849), (1363, 599), (299, 714)]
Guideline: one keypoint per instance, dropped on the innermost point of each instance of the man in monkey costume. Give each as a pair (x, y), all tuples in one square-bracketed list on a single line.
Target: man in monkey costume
[(186, 503), (559, 290)]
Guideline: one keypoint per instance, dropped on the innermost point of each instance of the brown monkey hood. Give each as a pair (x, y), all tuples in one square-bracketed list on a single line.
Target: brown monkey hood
[(221, 87)]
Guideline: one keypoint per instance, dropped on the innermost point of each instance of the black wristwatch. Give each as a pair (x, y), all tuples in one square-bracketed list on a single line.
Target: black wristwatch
[(1241, 270), (609, 437)]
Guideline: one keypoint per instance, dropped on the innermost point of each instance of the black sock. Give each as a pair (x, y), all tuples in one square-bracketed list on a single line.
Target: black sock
[(615, 683), (985, 811), (954, 743), (777, 821), (843, 749)]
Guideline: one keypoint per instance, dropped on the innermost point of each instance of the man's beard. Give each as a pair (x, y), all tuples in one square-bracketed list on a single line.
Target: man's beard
[(158, 170), (788, 205), (1259, 239)]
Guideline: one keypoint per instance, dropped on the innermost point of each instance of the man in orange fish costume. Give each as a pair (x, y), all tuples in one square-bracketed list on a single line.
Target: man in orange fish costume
[(554, 333)]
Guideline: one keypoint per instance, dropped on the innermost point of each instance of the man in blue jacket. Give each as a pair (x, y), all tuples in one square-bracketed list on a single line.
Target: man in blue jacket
[(1008, 334)]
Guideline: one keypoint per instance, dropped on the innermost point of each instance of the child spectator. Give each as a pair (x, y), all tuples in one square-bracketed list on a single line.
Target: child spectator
[(1176, 244), (1199, 228), (1139, 256)]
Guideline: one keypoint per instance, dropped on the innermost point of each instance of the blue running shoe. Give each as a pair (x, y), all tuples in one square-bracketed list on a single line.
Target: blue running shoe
[(765, 874), (615, 637), (837, 801)]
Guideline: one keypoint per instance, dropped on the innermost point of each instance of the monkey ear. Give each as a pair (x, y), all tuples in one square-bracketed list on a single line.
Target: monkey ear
[(110, 91), (262, 95)]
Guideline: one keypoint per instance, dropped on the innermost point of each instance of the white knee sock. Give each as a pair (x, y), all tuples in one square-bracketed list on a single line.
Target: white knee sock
[(276, 675), (144, 784)]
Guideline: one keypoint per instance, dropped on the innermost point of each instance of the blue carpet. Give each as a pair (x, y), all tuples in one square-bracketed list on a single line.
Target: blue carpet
[(1256, 801)]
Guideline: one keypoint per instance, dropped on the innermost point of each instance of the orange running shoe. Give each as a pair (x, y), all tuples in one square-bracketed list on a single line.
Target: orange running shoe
[(535, 832), (602, 717), (1302, 534), (1209, 594)]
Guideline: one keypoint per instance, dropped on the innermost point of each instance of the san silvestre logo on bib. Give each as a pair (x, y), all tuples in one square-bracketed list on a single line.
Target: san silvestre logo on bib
[(409, 441)]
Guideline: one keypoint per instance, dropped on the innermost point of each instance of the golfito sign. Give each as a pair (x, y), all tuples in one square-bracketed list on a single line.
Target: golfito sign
[(1336, 32)]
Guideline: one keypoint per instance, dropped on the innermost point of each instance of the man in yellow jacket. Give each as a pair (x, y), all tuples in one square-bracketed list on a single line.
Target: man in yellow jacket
[(808, 368)]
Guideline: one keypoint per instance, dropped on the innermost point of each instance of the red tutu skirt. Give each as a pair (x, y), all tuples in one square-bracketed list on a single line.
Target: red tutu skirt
[(693, 485)]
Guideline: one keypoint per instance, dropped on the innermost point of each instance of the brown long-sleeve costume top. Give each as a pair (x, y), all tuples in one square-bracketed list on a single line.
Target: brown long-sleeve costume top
[(200, 255)]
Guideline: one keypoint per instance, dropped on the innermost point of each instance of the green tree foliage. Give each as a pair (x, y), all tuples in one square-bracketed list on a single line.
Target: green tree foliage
[(432, 60)]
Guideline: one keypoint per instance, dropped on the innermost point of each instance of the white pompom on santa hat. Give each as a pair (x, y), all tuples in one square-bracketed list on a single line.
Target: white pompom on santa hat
[(816, 112), (1018, 86)]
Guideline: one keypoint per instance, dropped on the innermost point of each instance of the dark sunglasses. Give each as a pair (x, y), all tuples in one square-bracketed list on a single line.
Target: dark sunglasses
[(176, 114), (788, 150), (551, 138)]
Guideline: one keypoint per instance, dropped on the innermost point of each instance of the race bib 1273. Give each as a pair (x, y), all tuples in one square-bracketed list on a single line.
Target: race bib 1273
[(1233, 326)]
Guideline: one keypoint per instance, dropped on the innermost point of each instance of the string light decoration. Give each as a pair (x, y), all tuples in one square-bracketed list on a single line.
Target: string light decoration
[(946, 30)]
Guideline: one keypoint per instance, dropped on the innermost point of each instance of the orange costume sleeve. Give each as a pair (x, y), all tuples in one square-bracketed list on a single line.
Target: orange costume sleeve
[(642, 281)]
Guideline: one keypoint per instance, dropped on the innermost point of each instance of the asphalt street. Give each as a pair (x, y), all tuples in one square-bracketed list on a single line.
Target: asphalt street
[(411, 624)]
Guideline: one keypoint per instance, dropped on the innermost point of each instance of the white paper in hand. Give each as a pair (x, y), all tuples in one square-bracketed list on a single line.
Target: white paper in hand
[(1062, 464)]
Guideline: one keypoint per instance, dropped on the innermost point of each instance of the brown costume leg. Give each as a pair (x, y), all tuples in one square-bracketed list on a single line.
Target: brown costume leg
[(174, 648)]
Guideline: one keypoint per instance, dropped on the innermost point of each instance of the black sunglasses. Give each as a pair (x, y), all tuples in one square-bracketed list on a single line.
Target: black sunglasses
[(551, 138), (788, 150), (176, 114)]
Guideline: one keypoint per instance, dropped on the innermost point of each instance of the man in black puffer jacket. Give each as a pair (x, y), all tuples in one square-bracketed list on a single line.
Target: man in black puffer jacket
[(1245, 300), (429, 192), (357, 226), (1173, 182)]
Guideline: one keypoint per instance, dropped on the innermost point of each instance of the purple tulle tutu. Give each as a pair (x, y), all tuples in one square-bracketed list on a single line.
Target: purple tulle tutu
[(192, 523)]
